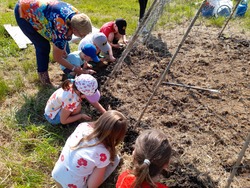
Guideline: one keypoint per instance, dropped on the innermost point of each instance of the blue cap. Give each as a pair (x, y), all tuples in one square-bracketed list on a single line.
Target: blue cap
[(90, 50)]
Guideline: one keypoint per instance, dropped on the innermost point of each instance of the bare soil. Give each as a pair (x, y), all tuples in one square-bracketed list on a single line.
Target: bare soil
[(207, 129)]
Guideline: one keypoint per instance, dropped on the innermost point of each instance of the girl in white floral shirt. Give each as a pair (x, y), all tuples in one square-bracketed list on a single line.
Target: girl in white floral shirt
[(64, 105), (89, 155)]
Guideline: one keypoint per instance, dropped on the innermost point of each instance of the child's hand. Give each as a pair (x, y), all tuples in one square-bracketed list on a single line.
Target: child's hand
[(125, 42), (90, 71), (116, 45), (86, 117), (112, 58)]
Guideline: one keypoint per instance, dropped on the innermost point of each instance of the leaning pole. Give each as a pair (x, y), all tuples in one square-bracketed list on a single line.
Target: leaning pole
[(171, 61)]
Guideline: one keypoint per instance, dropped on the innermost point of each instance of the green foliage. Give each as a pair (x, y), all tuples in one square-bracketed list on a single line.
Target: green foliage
[(218, 22), (18, 82), (4, 89)]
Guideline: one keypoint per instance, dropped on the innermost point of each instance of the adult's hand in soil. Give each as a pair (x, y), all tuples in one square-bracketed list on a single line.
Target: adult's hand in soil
[(79, 70)]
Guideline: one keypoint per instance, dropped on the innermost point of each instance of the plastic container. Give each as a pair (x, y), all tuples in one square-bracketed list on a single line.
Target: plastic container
[(207, 10), (223, 10), (242, 8), (222, 7), (217, 8)]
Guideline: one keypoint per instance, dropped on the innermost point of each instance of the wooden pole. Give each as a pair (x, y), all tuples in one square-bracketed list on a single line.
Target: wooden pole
[(231, 15), (192, 87), (171, 61), (241, 154)]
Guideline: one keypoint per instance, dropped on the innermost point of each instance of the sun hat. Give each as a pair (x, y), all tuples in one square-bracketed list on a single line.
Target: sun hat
[(88, 85), (121, 24), (90, 50), (101, 42)]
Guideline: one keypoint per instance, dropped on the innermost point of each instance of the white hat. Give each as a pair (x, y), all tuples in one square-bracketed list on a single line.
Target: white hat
[(100, 40), (88, 85)]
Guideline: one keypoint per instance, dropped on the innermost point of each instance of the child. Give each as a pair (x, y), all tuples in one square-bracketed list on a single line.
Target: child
[(114, 31), (89, 155), (101, 43), (81, 58), (150, 156), (64, 105)]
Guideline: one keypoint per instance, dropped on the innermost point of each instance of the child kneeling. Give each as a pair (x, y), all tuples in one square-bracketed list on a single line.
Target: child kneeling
[(64, 105), (89, 155), (150, 156)]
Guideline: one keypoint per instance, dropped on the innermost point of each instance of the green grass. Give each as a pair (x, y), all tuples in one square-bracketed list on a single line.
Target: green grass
[(31, 145)]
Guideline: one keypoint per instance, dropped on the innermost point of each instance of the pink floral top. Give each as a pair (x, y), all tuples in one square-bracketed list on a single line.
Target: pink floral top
[(74, 166), (67, 100)]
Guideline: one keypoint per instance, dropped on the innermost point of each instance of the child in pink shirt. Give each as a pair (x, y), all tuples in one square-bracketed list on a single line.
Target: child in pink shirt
[(114, 31)]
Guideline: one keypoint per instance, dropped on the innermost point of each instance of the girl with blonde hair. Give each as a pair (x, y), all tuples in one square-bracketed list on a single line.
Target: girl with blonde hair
[(89, 155), (151, 155)]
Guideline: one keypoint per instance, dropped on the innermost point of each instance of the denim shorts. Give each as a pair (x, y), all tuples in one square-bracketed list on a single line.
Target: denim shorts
[(56, 119)]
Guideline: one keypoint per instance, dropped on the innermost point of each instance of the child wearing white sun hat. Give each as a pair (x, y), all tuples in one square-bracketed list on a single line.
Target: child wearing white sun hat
[(64, 105)]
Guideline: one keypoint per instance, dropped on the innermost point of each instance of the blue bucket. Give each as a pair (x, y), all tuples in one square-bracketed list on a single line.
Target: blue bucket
[(241, 10)]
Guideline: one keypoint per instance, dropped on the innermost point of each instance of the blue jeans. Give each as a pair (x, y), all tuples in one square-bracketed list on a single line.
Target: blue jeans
[(56, 119), (41, 44)]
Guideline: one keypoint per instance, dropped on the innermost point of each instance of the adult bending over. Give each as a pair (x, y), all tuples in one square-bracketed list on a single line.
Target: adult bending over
[(45, 21)]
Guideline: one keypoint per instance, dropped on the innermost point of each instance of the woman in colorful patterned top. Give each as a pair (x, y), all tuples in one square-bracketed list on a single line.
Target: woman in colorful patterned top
[(45, 21), (64, 105), (89, 155), (150, 156)]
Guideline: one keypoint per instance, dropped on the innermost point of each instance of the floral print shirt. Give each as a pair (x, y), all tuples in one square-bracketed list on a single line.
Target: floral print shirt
[(74, 166), (49, 18), (66, 99)]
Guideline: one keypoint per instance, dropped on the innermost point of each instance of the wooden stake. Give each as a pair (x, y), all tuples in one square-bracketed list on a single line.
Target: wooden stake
[(241, 154), (192, 87)]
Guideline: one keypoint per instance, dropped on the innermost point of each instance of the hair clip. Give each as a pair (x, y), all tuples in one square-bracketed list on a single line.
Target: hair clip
[(146, 161), (72, 80)]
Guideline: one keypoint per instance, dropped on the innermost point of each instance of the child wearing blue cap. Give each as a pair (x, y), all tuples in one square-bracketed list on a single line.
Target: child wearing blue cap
[(81, 59)]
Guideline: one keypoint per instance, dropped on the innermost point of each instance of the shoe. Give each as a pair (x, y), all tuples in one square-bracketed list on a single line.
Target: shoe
[(44, 78)]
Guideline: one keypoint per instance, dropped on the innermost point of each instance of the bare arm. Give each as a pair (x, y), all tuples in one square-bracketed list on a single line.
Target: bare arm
[(99, 107), (124, 39), (67, 117), (110, 40), (111, 56), (96, 178)]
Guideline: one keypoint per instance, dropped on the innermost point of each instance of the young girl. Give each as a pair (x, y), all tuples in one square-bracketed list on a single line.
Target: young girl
[(89, 155), (151, 155), (64, 105)]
